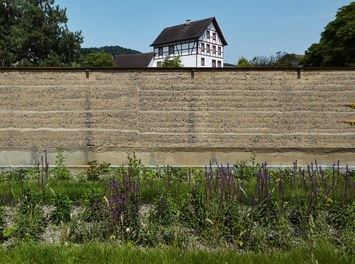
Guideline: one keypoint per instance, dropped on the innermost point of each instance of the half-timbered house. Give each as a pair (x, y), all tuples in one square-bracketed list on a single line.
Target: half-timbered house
[(197, 43)]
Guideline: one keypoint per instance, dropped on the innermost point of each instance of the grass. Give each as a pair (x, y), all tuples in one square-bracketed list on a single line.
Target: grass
[(111, 253)]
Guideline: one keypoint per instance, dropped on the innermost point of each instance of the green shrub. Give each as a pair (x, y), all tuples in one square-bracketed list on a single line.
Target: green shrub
[(97, 170), (342, 216), (28, 221), (61, 171), (164, 210), (94, 206), (61, 213)]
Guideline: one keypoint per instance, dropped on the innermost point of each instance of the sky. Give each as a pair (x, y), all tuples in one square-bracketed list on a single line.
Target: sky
[(251, 27)]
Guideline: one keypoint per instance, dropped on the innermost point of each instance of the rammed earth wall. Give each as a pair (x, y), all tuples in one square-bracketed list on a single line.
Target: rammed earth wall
[(177, 117)]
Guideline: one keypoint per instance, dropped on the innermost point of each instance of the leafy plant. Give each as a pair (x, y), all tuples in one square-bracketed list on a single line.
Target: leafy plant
[(94, 206), (61, 171), (246, 170), (164, 210), (28, 222), (97, 170), (135, 166), (61, 213)]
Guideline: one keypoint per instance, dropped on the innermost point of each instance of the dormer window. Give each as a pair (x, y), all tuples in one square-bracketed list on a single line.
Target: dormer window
[(208, 34), (214, 36), (160, 51)]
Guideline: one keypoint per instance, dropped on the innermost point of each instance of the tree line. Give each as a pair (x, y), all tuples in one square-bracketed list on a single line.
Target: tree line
[(35, 33)]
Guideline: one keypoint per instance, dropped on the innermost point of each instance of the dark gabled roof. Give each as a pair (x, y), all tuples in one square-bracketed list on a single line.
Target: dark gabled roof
[(134, 60), (184, 32)]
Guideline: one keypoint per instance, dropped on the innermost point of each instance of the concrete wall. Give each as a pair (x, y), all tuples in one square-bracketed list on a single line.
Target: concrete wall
[(183, 117)]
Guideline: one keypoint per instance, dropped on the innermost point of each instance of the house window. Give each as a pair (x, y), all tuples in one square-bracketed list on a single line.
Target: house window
[(208, 34), (159, 64), (208, 48), (214, 63), (219, 64), (214, 50), (202, 47), (160, 51), (219, 51), (214, 35), (171, 49), (202, 61)]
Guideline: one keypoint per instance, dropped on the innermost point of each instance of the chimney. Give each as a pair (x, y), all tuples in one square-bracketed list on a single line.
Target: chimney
[(188, 22)]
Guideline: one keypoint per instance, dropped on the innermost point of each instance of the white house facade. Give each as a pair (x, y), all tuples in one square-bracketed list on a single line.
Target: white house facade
[(197, 44)]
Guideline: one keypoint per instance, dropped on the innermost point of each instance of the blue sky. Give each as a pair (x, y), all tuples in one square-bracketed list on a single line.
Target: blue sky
[(251, 27)]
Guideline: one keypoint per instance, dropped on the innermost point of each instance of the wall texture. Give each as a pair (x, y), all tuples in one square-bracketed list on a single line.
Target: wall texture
[(182, 117)]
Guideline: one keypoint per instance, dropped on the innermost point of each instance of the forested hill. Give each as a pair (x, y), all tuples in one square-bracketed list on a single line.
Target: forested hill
[(112, 50)]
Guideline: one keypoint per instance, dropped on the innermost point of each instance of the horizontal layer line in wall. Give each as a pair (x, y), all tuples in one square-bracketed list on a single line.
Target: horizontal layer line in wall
[(20, 112), (68, 130), (242, 111), (173, 134), (218, 91), (255, 134)]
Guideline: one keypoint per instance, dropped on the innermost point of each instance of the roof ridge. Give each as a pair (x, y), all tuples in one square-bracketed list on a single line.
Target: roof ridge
[(184, 32), (195, 21)]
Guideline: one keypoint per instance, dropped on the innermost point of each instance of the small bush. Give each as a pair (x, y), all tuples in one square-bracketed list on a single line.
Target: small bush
[(97, 170), (94, 206), (61, 213), (61, 171), (28, 221)]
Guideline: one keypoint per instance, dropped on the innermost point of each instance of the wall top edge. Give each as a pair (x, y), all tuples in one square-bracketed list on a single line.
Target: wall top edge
[(225, 69)]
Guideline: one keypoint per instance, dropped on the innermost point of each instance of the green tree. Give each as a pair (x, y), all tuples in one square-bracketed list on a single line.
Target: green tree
[(34, 33), (172, 63), (280, 59), (242, 62), (112, 50), (337, 44), (98, 59), (287, 60), (9, 16)]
